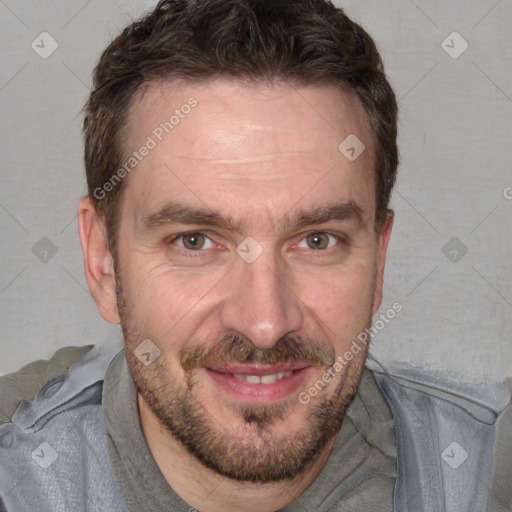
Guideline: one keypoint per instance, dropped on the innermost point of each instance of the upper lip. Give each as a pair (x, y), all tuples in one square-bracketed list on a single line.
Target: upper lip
[(256, 369)]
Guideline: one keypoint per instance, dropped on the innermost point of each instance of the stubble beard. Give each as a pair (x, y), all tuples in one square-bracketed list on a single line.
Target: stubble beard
[(253, 452)]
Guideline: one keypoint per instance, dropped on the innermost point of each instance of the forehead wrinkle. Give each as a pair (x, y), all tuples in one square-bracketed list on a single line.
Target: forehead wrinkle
[(249, 160)]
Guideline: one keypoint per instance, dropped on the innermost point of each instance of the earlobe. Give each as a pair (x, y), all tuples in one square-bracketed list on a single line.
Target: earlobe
[(98, 261), (381, 259)]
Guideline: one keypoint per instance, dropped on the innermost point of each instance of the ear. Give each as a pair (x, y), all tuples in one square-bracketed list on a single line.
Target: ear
[(98, 261), (381, 259)]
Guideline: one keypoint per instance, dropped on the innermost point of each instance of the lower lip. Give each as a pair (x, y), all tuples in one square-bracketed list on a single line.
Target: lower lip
[(259, 393)]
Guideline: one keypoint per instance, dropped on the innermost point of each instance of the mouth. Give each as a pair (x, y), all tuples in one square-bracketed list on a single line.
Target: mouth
[(258, 383)]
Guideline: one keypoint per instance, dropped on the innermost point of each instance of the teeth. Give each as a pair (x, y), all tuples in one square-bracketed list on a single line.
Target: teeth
[(265, 379)]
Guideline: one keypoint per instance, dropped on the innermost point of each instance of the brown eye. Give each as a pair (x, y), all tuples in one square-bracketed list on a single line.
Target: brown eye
[(318, 240), (193, 241)]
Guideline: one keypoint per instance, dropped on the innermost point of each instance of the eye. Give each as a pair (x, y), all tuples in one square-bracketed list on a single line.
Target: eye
[(319, 240), (192, 241)]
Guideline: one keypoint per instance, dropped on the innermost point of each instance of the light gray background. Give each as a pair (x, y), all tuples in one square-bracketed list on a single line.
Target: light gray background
[(455, 174)]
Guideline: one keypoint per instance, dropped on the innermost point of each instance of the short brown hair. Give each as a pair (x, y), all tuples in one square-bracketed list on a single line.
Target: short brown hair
[(303, 42)]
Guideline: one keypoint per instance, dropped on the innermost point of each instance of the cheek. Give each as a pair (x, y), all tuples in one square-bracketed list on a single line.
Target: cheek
[(343, 300), (163, 303)]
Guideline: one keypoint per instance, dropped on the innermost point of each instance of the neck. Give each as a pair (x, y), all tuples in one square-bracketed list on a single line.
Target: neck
[(208, 491)]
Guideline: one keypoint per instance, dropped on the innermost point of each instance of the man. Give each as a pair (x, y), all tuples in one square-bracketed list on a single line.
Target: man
[(240, 157)]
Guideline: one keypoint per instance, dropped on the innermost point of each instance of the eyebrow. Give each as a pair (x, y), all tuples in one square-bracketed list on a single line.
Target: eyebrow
[(178, 213)]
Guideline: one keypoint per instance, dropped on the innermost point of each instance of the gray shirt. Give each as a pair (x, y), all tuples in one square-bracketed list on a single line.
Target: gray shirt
[(359, 474)]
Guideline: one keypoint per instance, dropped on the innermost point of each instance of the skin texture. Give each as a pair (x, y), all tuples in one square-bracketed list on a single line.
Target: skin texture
[(258, 153)]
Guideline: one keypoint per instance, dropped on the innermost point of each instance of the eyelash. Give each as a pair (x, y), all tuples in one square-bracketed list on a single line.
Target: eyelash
[(340, 238)]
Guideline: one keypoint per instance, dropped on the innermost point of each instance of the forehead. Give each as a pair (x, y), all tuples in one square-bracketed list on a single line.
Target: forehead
[(316, 117), (246, 143)]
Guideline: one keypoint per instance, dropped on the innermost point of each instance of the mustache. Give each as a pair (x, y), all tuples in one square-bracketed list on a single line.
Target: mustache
[(235, 348)]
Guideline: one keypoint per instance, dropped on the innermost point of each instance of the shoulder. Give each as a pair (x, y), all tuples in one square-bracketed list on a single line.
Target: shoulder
[(52, 415), (444, 427), (24, 383)]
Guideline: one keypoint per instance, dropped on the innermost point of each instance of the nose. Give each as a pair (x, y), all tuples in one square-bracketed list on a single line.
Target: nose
[(261, 303)]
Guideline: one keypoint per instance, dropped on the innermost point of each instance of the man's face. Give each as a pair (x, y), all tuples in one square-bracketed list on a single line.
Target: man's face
[(249, 313)]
